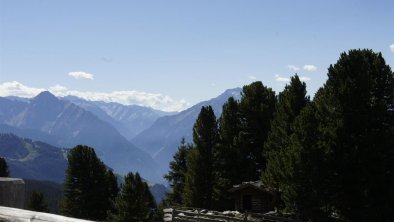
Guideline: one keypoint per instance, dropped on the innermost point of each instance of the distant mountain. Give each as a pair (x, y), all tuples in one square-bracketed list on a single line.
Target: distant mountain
[(68, 125), (161, 140), (29, 159), (159, 192), (33, 134), (9, 107), (128, 120)]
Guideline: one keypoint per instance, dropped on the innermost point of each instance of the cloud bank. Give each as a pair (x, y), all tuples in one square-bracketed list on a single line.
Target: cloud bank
[(392, 47), (293, 68), (153, 100), (282, 79), (305, 78), (81, 75), (279, 78), (310, 68)]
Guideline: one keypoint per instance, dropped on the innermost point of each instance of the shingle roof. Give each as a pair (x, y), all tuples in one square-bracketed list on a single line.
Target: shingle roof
[(252, 184)]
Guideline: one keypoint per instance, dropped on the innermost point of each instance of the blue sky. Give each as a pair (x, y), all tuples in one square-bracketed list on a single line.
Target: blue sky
[(173, 54)]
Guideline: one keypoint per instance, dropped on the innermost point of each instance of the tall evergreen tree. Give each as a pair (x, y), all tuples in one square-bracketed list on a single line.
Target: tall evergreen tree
[(290, 103), (86, 188), (176, 175), (200, 177), (256, 108), (305, 178), (134, 201), (227, 155), (357, 104), (112, 189), (4, 172), (343, 144), (37, 202)]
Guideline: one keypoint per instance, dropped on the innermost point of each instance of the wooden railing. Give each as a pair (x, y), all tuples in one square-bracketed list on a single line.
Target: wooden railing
[(197, 215)]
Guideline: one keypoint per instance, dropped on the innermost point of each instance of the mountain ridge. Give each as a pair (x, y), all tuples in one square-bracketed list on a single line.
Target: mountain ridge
[(68, 121), (129, 120), (163, 137), (71, 125)]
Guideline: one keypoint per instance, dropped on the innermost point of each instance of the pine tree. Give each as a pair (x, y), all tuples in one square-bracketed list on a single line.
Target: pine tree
[(134, 201), (290, 103), (37, 202), (200, 177), (176, 175), (112, 189), (86, 189), (342, 147), (305, 179), (355, 112), (191, 190), (227, 155), (256, 108), (4, 172), (151, 203)]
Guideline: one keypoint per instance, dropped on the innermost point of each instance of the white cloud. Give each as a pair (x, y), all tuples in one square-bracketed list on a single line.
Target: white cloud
[(252, 77), (282, 79), (57, 88), (81, 75), (154, 100), (310, 68), (279, 78), (15, 88), (293, 68), (392, 47), (305, 78)]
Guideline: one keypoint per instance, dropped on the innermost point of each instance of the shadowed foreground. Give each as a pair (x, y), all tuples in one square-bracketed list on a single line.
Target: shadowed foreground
[(18, 215)]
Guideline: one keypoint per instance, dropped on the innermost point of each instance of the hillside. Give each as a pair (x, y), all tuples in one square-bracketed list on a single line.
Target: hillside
[(29, 159), (161, 140)]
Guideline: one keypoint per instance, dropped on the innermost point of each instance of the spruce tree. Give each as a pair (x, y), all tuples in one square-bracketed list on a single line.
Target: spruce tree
[(228, 157), (304, 177), (256, 109), (355, 112), (176, 175), (37, 202), (342, 144), (277, 148), (112, 189), (134, 202), (4, 172), (191, 190), (200, 176), (86, 189)]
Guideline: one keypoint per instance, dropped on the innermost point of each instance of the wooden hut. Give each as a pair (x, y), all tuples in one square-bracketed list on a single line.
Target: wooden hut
[(253, 197), (12, 192)]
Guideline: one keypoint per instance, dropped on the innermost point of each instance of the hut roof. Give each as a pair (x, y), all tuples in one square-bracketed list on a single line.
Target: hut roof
[(251, 184)]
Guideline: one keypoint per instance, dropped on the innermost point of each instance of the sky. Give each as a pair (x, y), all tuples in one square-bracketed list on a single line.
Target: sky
[(172, 54)]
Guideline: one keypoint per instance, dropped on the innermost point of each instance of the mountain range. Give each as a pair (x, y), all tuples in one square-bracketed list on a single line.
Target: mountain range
[(65, 124), (126, 138), (162, 139), (128, 120)]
